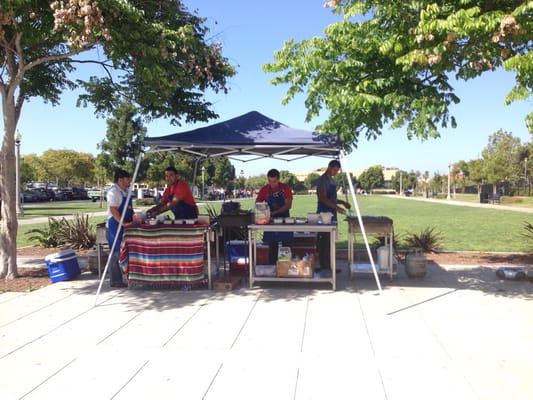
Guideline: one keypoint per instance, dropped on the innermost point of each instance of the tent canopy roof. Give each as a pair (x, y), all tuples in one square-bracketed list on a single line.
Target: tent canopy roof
[(251, 134)]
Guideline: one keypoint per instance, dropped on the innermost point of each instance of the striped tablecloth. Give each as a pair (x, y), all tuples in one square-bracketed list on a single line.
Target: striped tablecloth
[(164, 254)]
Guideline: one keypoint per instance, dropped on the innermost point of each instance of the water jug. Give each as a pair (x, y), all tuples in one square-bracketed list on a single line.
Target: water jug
[(262, 213)]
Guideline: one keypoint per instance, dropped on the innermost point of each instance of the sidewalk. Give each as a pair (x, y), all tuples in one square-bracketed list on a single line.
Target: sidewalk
[(454, 202), (458, 333)]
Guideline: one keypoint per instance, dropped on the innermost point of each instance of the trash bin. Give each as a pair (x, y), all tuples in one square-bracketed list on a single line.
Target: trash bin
[(484, 197)]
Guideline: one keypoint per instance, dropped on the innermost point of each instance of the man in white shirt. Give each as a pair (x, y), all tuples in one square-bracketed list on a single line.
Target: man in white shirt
[(116, 203)]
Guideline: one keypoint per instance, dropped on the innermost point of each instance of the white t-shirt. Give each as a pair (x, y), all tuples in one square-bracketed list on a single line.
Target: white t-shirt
[(114, 197)]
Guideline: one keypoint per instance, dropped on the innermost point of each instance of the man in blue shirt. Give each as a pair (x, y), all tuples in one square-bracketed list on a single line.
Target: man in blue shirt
[(326, 191)]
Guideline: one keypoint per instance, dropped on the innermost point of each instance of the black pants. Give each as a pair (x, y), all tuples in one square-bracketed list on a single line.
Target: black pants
[(323, 248), (273, 250)]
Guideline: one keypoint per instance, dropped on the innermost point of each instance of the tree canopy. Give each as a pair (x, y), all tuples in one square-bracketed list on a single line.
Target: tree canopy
[(390, 63), (156, 54)]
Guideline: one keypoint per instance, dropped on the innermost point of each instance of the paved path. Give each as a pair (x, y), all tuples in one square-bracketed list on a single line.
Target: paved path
[(469, 204), (459, 333)]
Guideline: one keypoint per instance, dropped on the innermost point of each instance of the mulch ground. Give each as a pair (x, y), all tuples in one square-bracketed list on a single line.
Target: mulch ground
[(35, 278), (30, 278)]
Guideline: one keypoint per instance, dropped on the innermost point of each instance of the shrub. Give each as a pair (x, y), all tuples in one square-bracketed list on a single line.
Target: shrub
[(528, 234), (47, 236), (149, 201), (428, 240), (77, 233)]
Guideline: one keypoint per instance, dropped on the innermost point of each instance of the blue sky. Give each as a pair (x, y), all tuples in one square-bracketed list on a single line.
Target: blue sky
[(250, 36)]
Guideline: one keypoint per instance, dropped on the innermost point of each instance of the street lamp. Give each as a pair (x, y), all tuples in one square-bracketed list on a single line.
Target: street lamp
[(448, 197), (18, 138), (203, 191), (525, 175)]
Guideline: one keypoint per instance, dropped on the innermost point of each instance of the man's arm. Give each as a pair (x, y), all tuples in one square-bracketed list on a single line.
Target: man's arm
[(323, 197), (116, 214)]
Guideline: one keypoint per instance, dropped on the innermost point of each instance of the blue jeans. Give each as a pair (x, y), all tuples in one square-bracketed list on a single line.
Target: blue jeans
[(115, 273)]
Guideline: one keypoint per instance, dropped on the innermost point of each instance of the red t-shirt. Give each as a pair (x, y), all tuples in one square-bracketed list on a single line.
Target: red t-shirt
[(180, 189), (265, 191)]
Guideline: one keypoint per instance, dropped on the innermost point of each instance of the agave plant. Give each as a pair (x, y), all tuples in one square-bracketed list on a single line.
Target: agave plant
[(528, 231), (428, 240), (77, 233), (46, 236)]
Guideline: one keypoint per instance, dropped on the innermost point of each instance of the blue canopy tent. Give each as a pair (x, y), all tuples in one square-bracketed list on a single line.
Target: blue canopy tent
[(249, 137), (253, 135)]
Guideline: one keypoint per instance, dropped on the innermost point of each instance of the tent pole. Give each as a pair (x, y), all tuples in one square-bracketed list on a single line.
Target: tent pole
[(120, 224), (359, 218)]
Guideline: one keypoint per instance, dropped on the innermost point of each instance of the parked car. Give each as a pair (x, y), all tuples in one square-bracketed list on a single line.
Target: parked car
[(28, 196), (39, 195), (95, 193), (67, 193), (44, 194), (59, 195), (79, 193)]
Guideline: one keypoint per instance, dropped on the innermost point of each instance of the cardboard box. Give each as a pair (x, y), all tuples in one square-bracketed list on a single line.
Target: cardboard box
[(295, 269), (62, 265), (227, 283)]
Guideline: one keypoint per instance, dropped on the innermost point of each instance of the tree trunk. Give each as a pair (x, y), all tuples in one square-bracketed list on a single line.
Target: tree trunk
[(8, 221)]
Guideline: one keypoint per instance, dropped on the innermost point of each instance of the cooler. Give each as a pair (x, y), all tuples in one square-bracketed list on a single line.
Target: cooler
[(62, 265), (237, 253)]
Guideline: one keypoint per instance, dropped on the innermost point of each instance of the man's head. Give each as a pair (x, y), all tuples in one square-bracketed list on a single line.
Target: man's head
[(333, 167), (171, 175), (122, 178), (273, 177)]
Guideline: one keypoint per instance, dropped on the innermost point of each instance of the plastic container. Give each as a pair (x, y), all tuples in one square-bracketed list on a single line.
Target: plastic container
[(203, 219), (326, 217), (383, 257), (312, 218), (262, 213), (284, 253)]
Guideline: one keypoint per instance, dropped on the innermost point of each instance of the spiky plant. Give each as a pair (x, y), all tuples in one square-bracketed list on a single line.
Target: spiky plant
[(428, 240), (528, 231), (77, 233)]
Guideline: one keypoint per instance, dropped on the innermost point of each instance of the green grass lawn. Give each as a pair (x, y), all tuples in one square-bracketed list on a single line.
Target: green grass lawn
[(463, 228), (62, 208)]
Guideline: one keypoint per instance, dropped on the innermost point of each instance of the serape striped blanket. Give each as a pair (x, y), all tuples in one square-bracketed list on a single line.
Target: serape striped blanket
[(161, 254)]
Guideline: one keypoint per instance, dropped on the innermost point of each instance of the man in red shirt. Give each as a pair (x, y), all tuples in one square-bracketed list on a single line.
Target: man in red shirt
[(177, 198), (278, 195)]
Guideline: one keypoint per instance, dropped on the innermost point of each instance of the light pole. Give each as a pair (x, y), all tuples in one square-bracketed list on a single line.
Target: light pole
[(203, 191), (448, 197), (18, 138), (525, 175)]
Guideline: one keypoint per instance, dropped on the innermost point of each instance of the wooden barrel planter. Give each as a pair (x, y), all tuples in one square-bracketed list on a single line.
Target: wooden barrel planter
[(416, 264)]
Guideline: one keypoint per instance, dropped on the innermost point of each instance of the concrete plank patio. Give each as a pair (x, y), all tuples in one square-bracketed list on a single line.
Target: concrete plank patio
[(458, 333)]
